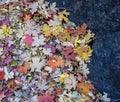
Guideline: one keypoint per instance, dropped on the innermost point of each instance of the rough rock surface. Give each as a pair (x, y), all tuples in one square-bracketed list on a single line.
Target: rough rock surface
[(103, 18)]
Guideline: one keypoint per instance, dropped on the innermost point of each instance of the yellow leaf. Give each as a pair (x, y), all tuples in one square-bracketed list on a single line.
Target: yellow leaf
[(84, 52), (77, 42), (46, 30), (89, 37), (65, 36), (62, 77), (6, 31), (63, 16), (56, 30)]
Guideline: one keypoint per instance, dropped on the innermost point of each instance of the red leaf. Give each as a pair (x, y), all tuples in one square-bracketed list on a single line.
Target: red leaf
[(68, 53), (45, 98), (71, 31), (2, 73)]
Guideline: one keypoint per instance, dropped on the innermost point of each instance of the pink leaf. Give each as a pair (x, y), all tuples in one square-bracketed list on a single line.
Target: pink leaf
[(28, 40), (48, 98), (68, 53)]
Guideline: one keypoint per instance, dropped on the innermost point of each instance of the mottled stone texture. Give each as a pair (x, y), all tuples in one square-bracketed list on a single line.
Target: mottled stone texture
[(103, 18)]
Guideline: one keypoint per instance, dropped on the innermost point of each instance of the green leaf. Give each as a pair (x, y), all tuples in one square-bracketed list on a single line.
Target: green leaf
[(14, 63)]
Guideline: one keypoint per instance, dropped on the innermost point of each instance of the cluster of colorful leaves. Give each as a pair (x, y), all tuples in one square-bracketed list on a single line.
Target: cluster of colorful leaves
[(43, 55)]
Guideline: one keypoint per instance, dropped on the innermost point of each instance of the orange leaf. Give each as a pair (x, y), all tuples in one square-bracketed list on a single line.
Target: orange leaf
[(23, 69), (84, 88), (12, 85), (26, 18), (55, 62), (82, 30), (60, 62), (81, 50)]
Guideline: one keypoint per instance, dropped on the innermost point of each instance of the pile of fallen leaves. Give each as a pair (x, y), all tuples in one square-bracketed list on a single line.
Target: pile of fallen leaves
[(43, 55)]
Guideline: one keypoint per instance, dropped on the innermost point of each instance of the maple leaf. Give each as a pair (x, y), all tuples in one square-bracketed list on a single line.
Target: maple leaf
[(24, 68), (89, 37), (43, 6), (54, 62), (62, 77), (46, 30), (71, 30), (82, 30), (6, 30), (26, 18), (33, 7), (43, 86), (56, 74), (48, 69), (84, 52), (8, 59), (34, 50), (37, 63), (54, 22), (20, 33), (105, 98), (12, 85), (8, 75), (40, 98), (35, 98), (53, 49), (47, 51), (85, 88), (73, 95), (63, 16), (56, 30), (65, 35), (63, 97), (31, 28), (70, 82), (68, 53), (83, 68), (28, 40), (24, 56), (45, 98), (69, 66), (80, 77), (38, 40), (78, 41), (53, 7)]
